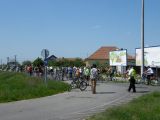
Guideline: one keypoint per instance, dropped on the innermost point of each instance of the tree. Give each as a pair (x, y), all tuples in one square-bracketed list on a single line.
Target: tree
[(26, 63), (38, 62), (78, 62), (52, 63)]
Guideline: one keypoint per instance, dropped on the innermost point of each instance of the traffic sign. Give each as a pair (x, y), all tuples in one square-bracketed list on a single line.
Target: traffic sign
[(45, 53)]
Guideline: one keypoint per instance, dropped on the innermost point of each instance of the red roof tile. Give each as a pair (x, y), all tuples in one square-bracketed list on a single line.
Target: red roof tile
[(103, 53)]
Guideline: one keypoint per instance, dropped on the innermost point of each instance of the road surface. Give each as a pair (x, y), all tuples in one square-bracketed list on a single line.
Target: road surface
[(74, 105)]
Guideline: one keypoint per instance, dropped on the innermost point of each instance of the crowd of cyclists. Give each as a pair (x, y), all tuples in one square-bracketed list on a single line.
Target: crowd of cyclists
[(86, 74), (89, 75), (70, 73)]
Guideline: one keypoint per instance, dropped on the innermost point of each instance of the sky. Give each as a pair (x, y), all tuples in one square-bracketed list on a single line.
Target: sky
[(74, 28)]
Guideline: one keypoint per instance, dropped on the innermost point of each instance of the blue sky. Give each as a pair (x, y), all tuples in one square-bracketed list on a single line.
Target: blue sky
[(74, 28)]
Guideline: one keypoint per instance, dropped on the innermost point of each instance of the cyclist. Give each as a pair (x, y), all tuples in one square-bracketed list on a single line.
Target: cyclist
[(77, 74), (149, 73)]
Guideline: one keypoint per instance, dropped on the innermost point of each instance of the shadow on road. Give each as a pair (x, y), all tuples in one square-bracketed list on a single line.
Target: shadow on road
[(141, 87), (143, 91), (105, 92)]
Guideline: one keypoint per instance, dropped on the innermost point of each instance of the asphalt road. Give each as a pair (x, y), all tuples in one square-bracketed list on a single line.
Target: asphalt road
[(74, 105)]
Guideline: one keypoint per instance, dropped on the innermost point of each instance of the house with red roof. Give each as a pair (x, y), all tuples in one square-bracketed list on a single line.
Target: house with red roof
[(101, 56)]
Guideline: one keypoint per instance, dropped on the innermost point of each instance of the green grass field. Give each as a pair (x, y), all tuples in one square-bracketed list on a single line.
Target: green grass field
[(19, 86), (146, 107)]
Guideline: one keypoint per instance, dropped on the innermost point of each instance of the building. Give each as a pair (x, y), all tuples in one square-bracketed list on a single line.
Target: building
[(52, 57), (101, 56)]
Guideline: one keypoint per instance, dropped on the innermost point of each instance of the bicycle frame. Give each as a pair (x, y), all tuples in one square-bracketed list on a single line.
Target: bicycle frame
[(79, 83)]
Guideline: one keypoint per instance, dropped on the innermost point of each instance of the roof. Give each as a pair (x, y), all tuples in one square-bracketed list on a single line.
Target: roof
[(52, 57), (103, 53)]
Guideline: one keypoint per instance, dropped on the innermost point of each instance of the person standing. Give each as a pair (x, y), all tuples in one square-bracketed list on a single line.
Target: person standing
[(132, 74), (70, 71), (29, 70), (86, 74), (93, 77)]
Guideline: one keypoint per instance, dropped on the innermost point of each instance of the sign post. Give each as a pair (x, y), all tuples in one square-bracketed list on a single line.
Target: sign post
[(45, 54)]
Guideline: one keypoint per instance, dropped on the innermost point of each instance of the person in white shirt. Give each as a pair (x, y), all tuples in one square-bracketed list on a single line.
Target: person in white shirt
[(149, 72)]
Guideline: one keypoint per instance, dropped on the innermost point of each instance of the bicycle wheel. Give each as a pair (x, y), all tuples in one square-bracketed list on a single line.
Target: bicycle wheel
[(82, 85), (154, 82), (114, 79), (73, 85), (146, 82)]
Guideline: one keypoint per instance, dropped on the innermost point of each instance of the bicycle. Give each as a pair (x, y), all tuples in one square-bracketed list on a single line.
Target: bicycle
[(78, 83), (141, 79), (114, 78), (107, 78), (154, 81)]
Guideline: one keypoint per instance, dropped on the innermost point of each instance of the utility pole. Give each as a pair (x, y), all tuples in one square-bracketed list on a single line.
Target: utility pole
[(15, 62), (45, 54), (15, 58), (7, 60), (1, 64), (142, 39)]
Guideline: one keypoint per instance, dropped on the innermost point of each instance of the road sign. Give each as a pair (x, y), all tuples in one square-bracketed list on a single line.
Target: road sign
[(45, 53)]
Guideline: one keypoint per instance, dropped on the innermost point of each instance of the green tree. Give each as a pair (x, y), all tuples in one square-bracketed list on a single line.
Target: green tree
[(78, 62), (38, 62), (65, 62), (27, 62), (53, 63)]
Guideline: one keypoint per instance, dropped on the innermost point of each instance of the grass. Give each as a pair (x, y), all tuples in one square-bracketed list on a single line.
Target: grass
[(146, 107), (19, 86)]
